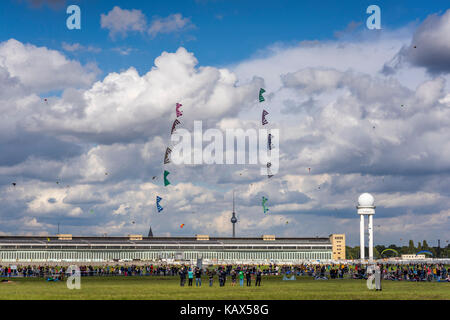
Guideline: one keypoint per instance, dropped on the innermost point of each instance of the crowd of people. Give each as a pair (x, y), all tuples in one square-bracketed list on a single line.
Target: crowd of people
[(243, 273), (247, 272)]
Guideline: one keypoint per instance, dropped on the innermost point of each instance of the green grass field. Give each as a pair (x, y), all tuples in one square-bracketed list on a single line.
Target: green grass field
[(160, 288)]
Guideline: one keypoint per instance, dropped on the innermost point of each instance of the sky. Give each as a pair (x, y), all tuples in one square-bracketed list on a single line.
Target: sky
[(86, 115)]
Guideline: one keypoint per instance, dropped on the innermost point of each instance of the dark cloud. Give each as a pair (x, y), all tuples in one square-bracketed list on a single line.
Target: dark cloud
[(429, 48)]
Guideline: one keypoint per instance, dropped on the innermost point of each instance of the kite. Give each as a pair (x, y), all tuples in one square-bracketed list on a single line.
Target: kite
[(158, 206), (166, 182), (48, 239), (309, 170), (424, 251), (57, 182), (388, 249), (175, 123), (264, 114), (269, 173), (264, 200), (261, 91), (269, 141), (179, 113), (133, 222), (182, 225), (167, 155), (106, 173), (14, 184), (92, 211)]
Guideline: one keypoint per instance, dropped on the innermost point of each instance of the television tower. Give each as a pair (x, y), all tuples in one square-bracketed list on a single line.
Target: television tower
[(233, 219)]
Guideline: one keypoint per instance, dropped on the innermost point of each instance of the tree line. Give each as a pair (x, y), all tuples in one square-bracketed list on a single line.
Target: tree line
[(443, 252)]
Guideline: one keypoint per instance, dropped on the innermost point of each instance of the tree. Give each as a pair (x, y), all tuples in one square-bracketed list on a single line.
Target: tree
[(411, 247), (425, 245), (376, 253)]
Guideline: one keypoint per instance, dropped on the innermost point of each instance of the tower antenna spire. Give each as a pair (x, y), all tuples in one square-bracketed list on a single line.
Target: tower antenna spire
[(233, 219), (233, 200)]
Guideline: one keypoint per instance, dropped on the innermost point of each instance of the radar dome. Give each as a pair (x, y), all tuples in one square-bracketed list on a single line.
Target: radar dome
[(366, 200)]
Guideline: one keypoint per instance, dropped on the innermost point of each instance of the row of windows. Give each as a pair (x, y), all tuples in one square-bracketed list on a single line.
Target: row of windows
[(21, 247), (153, 255)]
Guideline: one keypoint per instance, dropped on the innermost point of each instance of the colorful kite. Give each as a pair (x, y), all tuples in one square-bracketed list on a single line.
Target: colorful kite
[(167, 156), (166, 182), (175, 123), (158, 206), (264, 114), (269, 141), (177, 109), (264, 200), (261, 91), (269, 173), (389, 249), (182, 225), (424, 251)]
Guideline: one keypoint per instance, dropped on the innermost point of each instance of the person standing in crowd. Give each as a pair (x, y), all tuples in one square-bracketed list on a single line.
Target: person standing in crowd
[(191, 277), (224, 276), (248, 276), (233, 278), (198, 277), (182, 277), (241, 278), (377, 278), (211, 277), (258, 278), (219, 274)]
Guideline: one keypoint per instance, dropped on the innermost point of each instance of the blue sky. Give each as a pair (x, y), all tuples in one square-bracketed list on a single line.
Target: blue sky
[(225, 32), (366, 110)]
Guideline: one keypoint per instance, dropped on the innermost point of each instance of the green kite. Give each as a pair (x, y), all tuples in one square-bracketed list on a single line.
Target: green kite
[(166, 182), (261, 91)]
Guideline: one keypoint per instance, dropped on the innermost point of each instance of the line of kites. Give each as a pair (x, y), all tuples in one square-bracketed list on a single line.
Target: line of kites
[(168, 152), (269, 145)]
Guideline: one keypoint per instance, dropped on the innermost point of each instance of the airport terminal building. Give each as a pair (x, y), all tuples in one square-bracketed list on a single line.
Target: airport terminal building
[(213, 250)]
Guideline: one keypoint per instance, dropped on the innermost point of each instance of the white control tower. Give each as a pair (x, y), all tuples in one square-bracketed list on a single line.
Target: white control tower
[(366, 208)]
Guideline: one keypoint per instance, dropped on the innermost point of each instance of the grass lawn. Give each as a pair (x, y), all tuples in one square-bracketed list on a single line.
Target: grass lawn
[(166, 288)]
